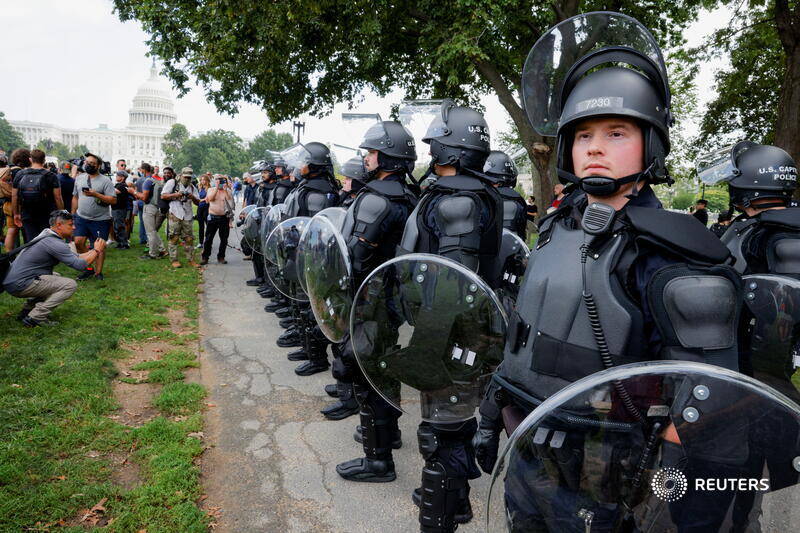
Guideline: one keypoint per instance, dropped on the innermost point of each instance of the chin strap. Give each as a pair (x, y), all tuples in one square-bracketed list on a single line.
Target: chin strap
[(645, 173)]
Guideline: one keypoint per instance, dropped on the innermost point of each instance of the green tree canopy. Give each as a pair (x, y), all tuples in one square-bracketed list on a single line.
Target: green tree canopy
[(216, 151), (758, 94), (10, 139), (60, 150), (173, 142), (268, 141), (241, 51)]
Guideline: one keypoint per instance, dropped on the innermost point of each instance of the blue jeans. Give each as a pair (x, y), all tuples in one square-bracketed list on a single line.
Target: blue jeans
[(142, 231)]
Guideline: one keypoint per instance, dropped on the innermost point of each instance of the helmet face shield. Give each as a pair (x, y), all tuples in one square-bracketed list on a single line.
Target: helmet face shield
[(720, 165), (296, 156), (601, 37)]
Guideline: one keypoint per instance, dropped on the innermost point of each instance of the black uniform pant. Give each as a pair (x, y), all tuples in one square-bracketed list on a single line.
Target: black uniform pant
[(216, 223)]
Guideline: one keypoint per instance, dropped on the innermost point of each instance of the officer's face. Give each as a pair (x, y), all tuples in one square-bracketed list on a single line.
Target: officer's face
[(371, 160), (610, 147), (347, 186)]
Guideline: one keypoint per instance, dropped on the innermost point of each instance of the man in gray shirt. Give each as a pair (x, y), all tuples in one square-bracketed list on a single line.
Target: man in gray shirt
[(93, 195), (31, 275)]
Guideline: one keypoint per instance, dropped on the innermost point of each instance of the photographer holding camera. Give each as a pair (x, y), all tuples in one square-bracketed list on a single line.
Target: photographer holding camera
[(220, 214), (181, 194), (93, 195)]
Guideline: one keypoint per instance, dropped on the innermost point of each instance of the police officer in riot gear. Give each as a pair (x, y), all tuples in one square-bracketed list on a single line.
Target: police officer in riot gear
[(317, 190), (500, 168), (460, 217), (765, 238), (614, 278), (284, 184), (372, 230), (355, 177)]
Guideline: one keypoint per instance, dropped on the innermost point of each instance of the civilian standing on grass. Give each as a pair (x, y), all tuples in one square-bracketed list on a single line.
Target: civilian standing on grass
[(8, 213), (138, 184), (31, 275), (35, 194), (181, 194), (93, 195), (119, 211), (220, 212), (202, 208), (151, 214), (67, 184)]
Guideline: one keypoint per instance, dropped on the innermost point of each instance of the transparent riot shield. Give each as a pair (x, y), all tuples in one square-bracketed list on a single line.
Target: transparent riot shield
[(327, 274), (551, 59), (432, 325), (281, 254), (273, 218), (252, 227), (416, 116), (772, 318), (661, 446), (514, 253), (264, 229)]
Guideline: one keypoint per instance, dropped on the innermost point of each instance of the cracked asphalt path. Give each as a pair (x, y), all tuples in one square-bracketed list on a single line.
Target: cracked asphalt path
[(272, 457)]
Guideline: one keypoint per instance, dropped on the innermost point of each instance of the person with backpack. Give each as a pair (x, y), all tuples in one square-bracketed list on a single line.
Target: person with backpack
[(35, 193), (28, 271), (152, 216), (92, 196)]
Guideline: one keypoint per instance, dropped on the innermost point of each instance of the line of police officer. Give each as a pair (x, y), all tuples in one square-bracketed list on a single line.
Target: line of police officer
[(613, 280)]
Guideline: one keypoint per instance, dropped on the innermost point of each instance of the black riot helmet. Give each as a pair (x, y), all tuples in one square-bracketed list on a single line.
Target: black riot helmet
[(459, 136), (354, 169), (315, 155), (599, 65), (753, 172), (279, 164), (500, 168), (395, 146)]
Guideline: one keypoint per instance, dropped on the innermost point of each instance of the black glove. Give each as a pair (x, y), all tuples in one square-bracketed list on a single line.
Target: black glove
[(486, 442)]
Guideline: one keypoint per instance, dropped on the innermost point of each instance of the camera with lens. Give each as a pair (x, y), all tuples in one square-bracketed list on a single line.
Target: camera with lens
[(77, 162)]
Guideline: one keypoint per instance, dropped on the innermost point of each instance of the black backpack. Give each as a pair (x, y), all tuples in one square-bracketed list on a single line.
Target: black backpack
[(163, 205), (32, 188), (8, 258)]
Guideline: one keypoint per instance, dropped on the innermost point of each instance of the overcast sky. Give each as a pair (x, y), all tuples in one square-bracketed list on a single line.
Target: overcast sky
[(49, 45)]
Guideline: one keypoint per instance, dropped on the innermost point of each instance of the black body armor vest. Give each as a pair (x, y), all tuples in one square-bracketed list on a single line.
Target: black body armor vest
[(514, 210), (363, 227), (553, 336), (312, 196), (457, 202), (281, 191), (264, 194), (768, 243)]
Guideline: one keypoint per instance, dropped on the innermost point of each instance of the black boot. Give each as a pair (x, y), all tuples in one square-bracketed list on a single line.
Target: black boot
[(397, 441), (255, 282), (309, 368), (274, 306), (290, 339), (332, 389), (287, 322), (283, 312), (298, 355), (346, 406), (377, 466)]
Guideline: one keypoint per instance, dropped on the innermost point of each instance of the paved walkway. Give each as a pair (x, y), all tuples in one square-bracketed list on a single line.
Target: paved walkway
[(271, 467)]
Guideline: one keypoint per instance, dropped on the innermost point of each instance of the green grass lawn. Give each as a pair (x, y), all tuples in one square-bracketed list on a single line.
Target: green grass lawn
[(56, 439)]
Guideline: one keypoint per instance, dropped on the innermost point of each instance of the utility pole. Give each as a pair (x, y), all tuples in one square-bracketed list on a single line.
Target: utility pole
[(299, 126)]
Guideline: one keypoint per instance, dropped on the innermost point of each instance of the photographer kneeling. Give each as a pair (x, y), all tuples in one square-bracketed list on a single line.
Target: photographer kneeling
[(181, 193), (31, 274)]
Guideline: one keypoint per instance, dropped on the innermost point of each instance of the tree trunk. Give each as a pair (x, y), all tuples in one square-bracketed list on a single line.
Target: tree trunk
[(539, 148), (787, 125)]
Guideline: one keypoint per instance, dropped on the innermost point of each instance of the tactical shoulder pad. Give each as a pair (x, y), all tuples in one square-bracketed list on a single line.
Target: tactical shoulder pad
[(459, 183), (390, 189), (678, 233), (782, 217)]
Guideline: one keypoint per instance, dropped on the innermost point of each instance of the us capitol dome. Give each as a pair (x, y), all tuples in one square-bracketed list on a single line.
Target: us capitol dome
[(150, 117)]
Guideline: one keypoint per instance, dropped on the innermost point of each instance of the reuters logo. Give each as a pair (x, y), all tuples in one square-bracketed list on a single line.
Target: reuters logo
[(669, 484)]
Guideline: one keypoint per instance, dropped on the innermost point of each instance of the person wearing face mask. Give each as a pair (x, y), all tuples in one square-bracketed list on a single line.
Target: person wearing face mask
[(92, 195), (614, 277), (181, 194)]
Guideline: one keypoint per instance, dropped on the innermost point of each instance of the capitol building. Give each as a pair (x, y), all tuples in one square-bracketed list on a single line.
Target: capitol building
[(150, 118)]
